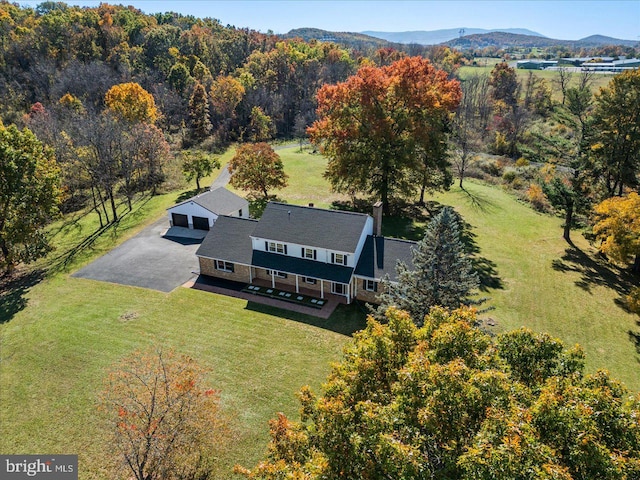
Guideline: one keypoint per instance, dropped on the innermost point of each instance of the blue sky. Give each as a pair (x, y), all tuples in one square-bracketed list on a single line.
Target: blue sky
[(562, 19)]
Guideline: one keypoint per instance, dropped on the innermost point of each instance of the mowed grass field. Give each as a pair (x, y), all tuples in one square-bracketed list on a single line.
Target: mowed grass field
[(597, 80), (60, 336)]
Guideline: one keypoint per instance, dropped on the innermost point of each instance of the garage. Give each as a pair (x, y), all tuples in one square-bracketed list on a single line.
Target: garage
[(200, 223), (200, 212), (180, 220)]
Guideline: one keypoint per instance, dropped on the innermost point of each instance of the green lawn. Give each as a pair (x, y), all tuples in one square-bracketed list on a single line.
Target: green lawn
[(57, 351), (305, 184), (547, 285), (59, 337)]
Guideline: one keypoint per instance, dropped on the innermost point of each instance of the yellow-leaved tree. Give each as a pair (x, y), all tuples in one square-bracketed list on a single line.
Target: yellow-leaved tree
[(618, 228), (132, 102)]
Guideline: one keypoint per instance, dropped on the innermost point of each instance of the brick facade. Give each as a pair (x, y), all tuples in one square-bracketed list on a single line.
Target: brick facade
[(240, 273), (365, 295)]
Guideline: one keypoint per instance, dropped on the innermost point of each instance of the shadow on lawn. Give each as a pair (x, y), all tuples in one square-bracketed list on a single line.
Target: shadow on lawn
[(594, 271), (409, 222), (63, 261), (13, 293), (478, 201), (346, 320), (635, 339)]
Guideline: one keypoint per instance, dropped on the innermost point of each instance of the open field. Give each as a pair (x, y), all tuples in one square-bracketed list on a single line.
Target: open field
[(306, 184), (598, 79), (59, 337), (547, 285)]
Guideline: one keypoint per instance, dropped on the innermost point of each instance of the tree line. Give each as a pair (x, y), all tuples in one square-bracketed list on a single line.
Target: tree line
[(390, 124)]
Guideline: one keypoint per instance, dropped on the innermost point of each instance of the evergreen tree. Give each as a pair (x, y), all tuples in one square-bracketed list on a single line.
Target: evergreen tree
[(200, 122), (442, 275)]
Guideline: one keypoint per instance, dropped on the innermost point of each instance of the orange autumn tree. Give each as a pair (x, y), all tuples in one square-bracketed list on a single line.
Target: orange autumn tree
[(132, 102), (257, 168), (384, 129), (164, 421)]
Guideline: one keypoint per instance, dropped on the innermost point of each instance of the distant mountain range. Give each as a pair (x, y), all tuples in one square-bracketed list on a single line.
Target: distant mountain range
[(510, 37), (503, 39), (343, 38), (434, 37)]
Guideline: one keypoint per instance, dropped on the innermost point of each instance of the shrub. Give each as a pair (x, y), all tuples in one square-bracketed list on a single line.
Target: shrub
[(518, 183), (536, 197), (492, 167), (633, 300), (509, 176)]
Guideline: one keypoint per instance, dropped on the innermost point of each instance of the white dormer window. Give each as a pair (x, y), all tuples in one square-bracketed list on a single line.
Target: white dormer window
[(309, 253), (339, 258), (276, 247)]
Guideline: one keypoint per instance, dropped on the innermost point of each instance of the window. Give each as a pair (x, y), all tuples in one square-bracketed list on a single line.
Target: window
[(310, 281), (275, 273), (339, 288), (224, 266), (309, 253), (339, 258), (276, 247), (370, 285)]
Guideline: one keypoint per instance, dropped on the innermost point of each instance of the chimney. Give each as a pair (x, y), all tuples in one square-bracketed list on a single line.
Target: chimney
[(377, 219)]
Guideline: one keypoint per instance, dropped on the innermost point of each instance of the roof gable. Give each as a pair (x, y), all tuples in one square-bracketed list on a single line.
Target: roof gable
[(380, 256), (230, 240), (314, 227), (219, 201)]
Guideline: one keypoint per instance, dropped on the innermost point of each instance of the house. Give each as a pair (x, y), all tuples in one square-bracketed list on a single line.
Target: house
[(202, 211), (298, 248)]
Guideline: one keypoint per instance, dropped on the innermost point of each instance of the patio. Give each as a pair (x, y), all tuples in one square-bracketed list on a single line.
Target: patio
[(241, 290), (287, 296)]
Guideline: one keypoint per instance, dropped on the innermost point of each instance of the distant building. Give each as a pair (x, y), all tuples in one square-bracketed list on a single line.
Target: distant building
[(578, 61), (532, 64), (615, 66)]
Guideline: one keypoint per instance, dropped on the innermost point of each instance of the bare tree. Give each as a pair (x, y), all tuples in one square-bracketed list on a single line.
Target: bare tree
[(586, 77), (467, 123), (563, 80), (163, 420)]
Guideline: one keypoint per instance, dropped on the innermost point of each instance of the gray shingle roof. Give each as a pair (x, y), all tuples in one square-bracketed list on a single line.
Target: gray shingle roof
[(230, 240), (300, 266), (380, 255), (315, 227), (219, 201)]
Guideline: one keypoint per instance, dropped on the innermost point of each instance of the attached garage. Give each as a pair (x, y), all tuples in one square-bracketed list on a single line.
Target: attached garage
[(179, 220), (200, 223)]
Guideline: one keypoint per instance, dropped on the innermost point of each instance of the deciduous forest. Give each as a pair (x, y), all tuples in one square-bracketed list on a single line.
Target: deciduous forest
[(105, 108)]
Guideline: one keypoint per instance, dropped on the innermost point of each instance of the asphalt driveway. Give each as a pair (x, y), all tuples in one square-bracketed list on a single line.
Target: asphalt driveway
[(152, 259)]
